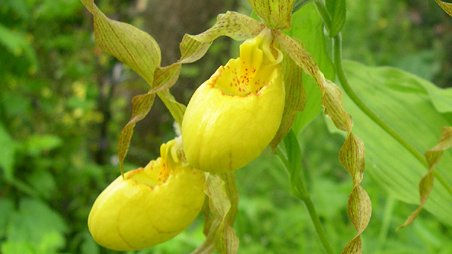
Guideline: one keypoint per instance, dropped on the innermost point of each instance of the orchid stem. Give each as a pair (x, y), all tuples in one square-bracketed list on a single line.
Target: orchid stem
[(306, 198), (337, 59), (303, 194), (317, 224)]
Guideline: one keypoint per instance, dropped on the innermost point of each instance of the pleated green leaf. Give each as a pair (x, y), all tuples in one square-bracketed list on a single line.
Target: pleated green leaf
[(417, 110), (275, 13)]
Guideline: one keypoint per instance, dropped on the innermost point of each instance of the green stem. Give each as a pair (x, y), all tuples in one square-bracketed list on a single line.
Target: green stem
[(317, 224), (351, 93), (304, 196), (337, 59)]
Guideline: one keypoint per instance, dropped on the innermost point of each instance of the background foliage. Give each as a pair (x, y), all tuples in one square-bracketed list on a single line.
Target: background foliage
[(62, 108)]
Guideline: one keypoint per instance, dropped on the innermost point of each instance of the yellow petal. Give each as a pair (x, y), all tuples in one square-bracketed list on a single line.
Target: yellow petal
[(234, 115), (148, 206)]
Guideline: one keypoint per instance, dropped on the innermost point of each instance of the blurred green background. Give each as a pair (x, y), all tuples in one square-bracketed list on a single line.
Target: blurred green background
[(63, 103)]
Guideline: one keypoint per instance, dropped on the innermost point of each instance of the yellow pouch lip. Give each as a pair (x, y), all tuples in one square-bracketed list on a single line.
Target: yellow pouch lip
[(224, 128), (162, 207)]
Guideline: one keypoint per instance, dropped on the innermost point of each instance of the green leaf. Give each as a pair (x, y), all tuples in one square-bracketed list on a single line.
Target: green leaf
[(7, 155), (36, 144), (447, 7), (336, 8), (129, 44), (14, 41), (19, 45), (37, 227), (43, 183), (19, 7), (16, 247), (49, 11), (440, 98), (402, 100), (275, 13), (15, 104), (307, 27)]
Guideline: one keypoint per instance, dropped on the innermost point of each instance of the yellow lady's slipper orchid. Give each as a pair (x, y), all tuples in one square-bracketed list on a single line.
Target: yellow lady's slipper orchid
[(148, 206), (234, 115)]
